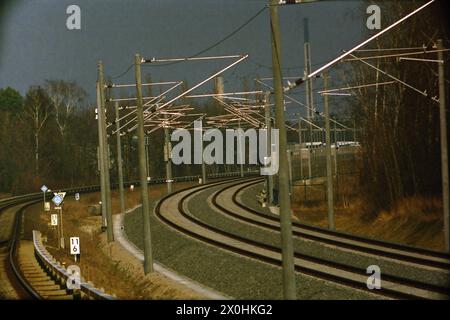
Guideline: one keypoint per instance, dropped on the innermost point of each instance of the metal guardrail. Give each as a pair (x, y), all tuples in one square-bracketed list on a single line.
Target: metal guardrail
[(60, 273)]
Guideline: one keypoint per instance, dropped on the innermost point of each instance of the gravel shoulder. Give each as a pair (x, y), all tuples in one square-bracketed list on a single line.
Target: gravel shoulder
[(226, 272), (319, 250)]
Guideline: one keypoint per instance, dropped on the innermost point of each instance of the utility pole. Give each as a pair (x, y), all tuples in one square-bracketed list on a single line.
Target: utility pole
[(167, 156), (241, 154), (309, 91), (330, 203), (444, 150), (148, 258), (100, 156), (300, 144), (268, 120), (100, 163), (203, 160), (307, 51), (147, 165), (287, 247), (289, 158), (119, 161), (102, 117), (336, 147)]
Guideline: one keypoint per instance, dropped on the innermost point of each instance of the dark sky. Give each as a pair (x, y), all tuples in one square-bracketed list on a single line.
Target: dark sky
[(36, 45)]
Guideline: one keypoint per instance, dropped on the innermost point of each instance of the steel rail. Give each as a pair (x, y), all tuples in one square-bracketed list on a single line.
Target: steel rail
[(346, 236), (299, 268)]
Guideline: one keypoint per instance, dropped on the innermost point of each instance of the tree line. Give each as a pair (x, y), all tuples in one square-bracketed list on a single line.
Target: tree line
[(50, 136), (400, 127)]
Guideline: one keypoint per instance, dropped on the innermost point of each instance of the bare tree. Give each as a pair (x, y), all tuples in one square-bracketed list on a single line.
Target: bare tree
[(37, 110), (400, 152), (65, 97)]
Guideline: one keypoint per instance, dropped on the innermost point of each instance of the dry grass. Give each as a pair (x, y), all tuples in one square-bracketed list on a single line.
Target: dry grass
[(107, 265), (415, 221), (5, 195)]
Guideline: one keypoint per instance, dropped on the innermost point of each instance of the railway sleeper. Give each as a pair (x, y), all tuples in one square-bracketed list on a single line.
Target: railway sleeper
[(46, 284)]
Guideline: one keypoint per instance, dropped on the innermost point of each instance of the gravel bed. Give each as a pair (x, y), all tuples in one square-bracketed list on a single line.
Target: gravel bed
[(308, 247), (228, 273)]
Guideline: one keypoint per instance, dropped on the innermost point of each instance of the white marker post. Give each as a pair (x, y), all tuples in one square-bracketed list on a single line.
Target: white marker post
[(75, 247), (44, 189), (57, 200)]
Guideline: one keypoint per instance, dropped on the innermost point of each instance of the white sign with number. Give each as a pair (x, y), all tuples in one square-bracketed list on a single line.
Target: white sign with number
[(74, 245), (77, 196), (47, 206), (54, 219)]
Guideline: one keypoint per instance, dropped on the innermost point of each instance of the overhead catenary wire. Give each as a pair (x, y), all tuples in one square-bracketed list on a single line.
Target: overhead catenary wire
[(247, 22), (348, 52), (397, 55), (421, 92), (356, 87), (303, 105), (391, 49)]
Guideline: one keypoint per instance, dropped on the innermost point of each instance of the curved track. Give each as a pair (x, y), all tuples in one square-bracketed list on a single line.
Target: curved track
[(26, 276), (22, 278), (12, 287), (229, 201), (173, 211)]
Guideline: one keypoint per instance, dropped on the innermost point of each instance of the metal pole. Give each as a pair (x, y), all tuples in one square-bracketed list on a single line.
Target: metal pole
[(287, 247), (148, 259), (330, 203), (241, 153), (300, 144), (58, 240), (289, 158), (309, 92), (100, 156), (147, 165), (167, 151), (269, 145), (444, 150), (203, 160), (63, 245), (309, 151), (109, 222), (119, 162), (309, 89), (336, 146)]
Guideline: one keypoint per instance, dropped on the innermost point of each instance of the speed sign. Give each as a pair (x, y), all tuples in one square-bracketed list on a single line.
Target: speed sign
[(54, 219), (74, 245)]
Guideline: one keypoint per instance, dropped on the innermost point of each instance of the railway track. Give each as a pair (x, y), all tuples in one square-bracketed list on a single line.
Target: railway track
[(173, 211), (237, 209), (22, 276), (19, 266)]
